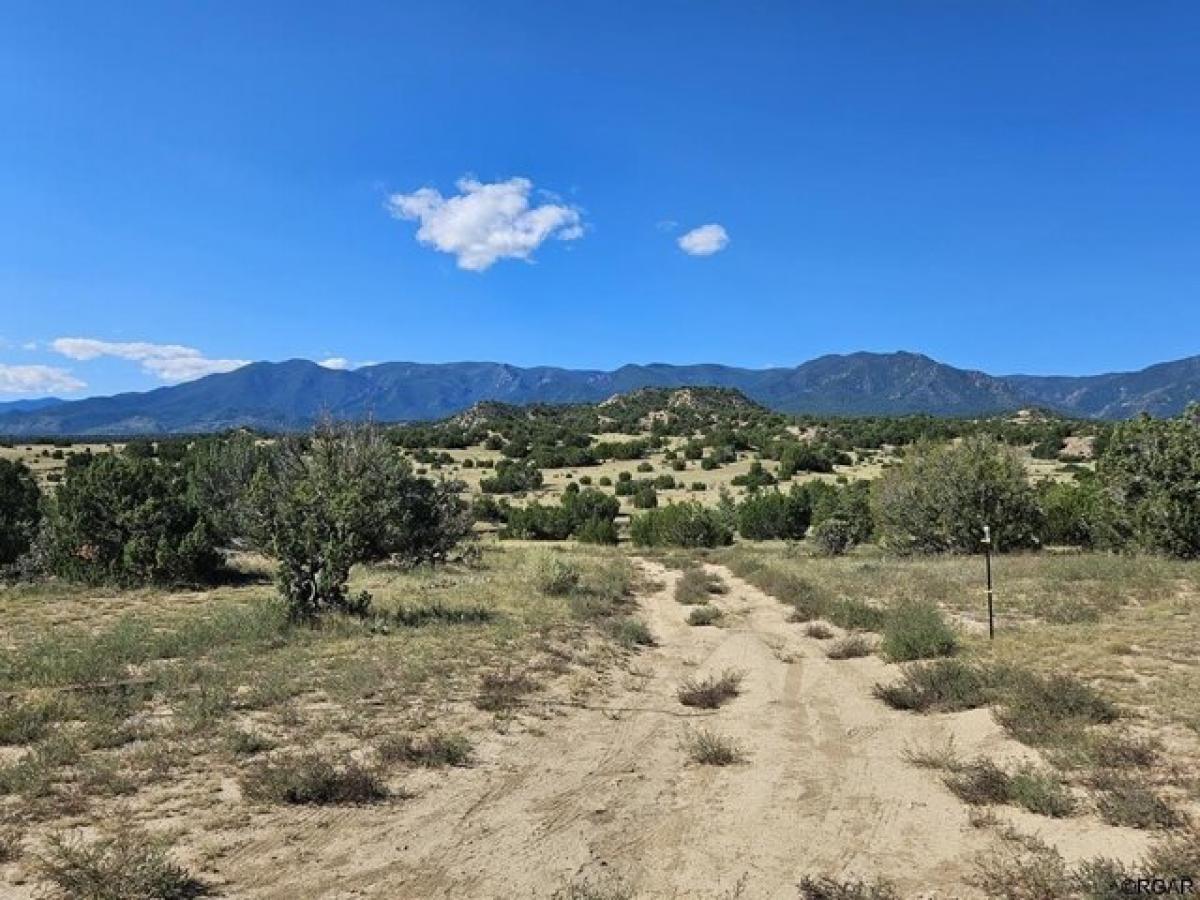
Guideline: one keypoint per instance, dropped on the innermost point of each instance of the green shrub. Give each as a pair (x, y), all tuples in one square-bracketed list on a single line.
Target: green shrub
[(833, 537), (680, 525), (765, 515), (344, 496), (944, 685), (704, 615), (20, 510), (1149, 470), (917, 630), (941, 496), (696, 584), (555, 575), (128, 521), (645, 498)]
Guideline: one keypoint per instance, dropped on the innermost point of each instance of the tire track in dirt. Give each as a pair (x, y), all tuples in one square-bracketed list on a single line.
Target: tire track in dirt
[(826, 788)]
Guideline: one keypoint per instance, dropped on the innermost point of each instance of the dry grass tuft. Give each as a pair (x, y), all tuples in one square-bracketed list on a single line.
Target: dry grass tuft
[(713, 691)]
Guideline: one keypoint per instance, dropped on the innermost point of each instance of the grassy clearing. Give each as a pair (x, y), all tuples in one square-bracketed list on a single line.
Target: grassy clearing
[(106, 696), (711, 692), (711, 749)]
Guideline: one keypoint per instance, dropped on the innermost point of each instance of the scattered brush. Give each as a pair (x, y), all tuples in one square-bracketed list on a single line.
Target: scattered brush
[(312, 778), (418, 614), (982, 783), (704, 615), (430, 750), (712, 691), (554, 575), (584, 889), (1133, 802), (711, 749), (127, 865), (248, 743), (1122, 750), (1041, 711), (854, 615), (945, 685), (696, 584), (24, 723), (823, 888), (849, 647), (917, 630), (500, 691), (631, 632), (931, 756), (818, 630), (11, 843), (1177, 857)]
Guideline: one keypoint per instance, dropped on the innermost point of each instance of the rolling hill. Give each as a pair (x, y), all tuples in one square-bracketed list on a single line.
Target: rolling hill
[(292, 394)]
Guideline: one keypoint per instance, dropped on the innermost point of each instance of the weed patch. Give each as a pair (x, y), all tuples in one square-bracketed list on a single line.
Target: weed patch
[(712, 691), (822, 888), (430, 750), (704, 615), (945, 685), (850, 647), (313, 779), (917, 630), (127, 866), (711, 749)]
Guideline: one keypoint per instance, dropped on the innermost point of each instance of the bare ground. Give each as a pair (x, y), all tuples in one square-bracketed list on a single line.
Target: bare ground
[(607, 792)]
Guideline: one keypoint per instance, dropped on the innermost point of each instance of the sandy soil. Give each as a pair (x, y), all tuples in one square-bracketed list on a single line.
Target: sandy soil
[(599, 794)]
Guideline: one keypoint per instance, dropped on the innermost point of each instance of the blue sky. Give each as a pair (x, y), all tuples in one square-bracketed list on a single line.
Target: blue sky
[(1009, 186)]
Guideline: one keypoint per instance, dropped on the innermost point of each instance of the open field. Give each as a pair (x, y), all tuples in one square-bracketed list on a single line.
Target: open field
[(512, 735)]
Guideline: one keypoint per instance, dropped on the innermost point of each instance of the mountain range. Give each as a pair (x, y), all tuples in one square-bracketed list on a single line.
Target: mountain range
[(281, 396)]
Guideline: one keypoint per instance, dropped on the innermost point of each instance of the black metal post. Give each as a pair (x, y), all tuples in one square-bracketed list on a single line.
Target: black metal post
[(987, 552)]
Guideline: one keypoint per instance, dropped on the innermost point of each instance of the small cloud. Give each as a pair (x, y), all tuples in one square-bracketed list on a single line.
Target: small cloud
[(704, 241), (666, 224), (484, 223), (335, 362), (167, 362), (30, 346), (39, 380)]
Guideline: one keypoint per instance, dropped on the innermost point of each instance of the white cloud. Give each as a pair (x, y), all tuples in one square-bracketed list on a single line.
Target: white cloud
[(167, 362), (335, 362), (704, 241), (40, 380), (486, 222)]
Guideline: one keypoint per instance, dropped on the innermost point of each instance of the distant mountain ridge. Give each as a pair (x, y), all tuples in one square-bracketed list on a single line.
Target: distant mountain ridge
[(291, 395)]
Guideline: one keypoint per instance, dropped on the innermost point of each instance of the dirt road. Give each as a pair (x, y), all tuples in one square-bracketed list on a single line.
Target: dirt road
[(599, 796)]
